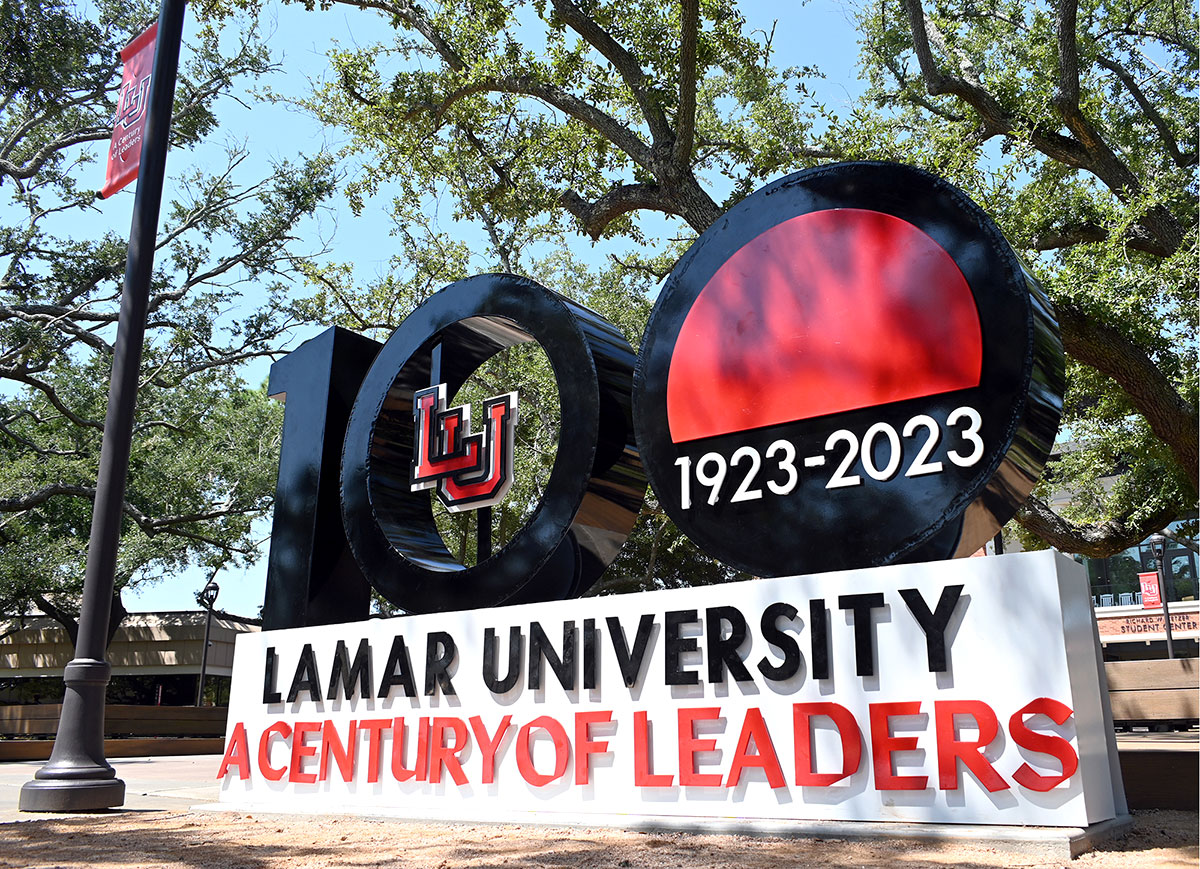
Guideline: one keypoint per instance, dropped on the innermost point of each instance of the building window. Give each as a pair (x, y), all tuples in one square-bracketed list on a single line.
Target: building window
[(1115, 581)]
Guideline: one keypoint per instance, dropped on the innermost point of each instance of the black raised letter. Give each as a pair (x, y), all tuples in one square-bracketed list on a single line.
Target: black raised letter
[(516, 640), (306, 678), (864, 639), (780, 640), (933, 623), (630, 662), (676, 646), (270, 695), (437, 666), (398, 670), (589, 653), (818, 626), (359, 672), (723, 652), (540, 648)]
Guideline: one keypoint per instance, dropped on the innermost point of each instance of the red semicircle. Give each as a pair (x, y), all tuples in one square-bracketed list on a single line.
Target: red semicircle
[(826, 312)]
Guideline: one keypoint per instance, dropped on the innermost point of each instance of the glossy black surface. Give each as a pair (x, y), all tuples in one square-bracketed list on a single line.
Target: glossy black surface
[(595, 488), (312, 577), (941, 515), (78, 778)]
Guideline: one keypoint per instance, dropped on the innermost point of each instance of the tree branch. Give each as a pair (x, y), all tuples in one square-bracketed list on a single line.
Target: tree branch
[(64, 618), (1099, 540), (46, 389), (624, 62), (657, 274), (1160, 124), (685, 120), (1067, 96), (1104, 163), (44, 494), (595, 216), (1068, 237), (994, 116), (33, 447), (148, 525), (1137, 239), (1172, 419), (34, 164), (1185, 542), (1086, 150), (604, 124), (911, 93), (54, 316), (1176, 39)]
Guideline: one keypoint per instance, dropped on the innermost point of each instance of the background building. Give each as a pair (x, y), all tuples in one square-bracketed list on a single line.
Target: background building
[(155, 658)]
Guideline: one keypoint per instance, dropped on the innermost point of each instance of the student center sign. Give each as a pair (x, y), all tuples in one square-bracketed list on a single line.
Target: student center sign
[(846, 384)]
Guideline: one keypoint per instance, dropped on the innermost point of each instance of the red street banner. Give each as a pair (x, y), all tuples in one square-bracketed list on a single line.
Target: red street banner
[(125, 149), (1150, 596)]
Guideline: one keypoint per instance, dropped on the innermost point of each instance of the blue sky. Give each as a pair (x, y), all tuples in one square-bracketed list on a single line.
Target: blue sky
[(816, 33)]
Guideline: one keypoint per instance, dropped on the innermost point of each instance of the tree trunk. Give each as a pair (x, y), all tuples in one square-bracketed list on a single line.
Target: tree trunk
[(70, 621)]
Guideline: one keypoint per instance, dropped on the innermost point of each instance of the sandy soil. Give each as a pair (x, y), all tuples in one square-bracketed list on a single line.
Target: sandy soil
[(141, 840)]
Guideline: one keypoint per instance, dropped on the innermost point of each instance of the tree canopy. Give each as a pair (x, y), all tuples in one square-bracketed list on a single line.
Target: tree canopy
[(204, 450), (1074, 123)]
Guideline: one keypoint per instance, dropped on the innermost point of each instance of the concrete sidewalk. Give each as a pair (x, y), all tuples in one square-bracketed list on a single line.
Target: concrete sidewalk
[(151, 783)]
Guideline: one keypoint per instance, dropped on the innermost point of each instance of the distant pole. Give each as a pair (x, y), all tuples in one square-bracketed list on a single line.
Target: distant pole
[(77, 777), (207, 597), (1158, 545)]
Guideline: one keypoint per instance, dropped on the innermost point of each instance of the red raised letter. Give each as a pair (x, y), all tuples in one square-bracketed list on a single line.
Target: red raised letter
[(399, 729), (374, 728), (847, 728), (489, 744), (765, 758), (441, 754), (236, 753), (642, 776), (301, 751), (269, 772), (690, 746), (585, 745), (331, 745), (1044, 743), (950, 748), (883, 744), (423, 749), (562, 751)]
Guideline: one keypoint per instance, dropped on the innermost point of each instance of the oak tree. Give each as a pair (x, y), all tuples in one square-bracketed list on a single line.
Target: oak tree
[(204, 448), (1073, 123)]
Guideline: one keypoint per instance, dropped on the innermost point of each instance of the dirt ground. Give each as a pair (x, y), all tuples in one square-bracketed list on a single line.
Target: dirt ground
[(146, 839)]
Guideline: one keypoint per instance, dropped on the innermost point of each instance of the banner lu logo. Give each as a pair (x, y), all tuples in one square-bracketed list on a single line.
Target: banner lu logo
[(468, 470), (125, 148)]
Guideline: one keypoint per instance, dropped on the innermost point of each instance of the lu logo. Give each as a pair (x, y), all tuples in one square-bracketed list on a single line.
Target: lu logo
[(131, 102), (469, 470)]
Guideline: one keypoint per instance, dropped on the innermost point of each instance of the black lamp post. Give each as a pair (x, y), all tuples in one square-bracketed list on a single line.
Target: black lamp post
[(78, 777), (206, 597), (1158, 545)]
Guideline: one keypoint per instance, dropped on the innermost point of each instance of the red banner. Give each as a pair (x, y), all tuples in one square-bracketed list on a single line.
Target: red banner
[(125, 149), (1150, 595)]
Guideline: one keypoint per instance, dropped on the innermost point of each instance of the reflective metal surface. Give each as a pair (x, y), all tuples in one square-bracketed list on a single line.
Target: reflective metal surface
[(312, 579), (827, 314), (595, 488)]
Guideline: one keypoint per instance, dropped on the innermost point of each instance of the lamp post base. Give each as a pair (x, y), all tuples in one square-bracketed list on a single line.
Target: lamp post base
[(77, 778), (72, 795)]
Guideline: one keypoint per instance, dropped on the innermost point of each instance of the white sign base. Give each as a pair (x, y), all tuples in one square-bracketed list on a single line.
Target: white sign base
[(888, 694)]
